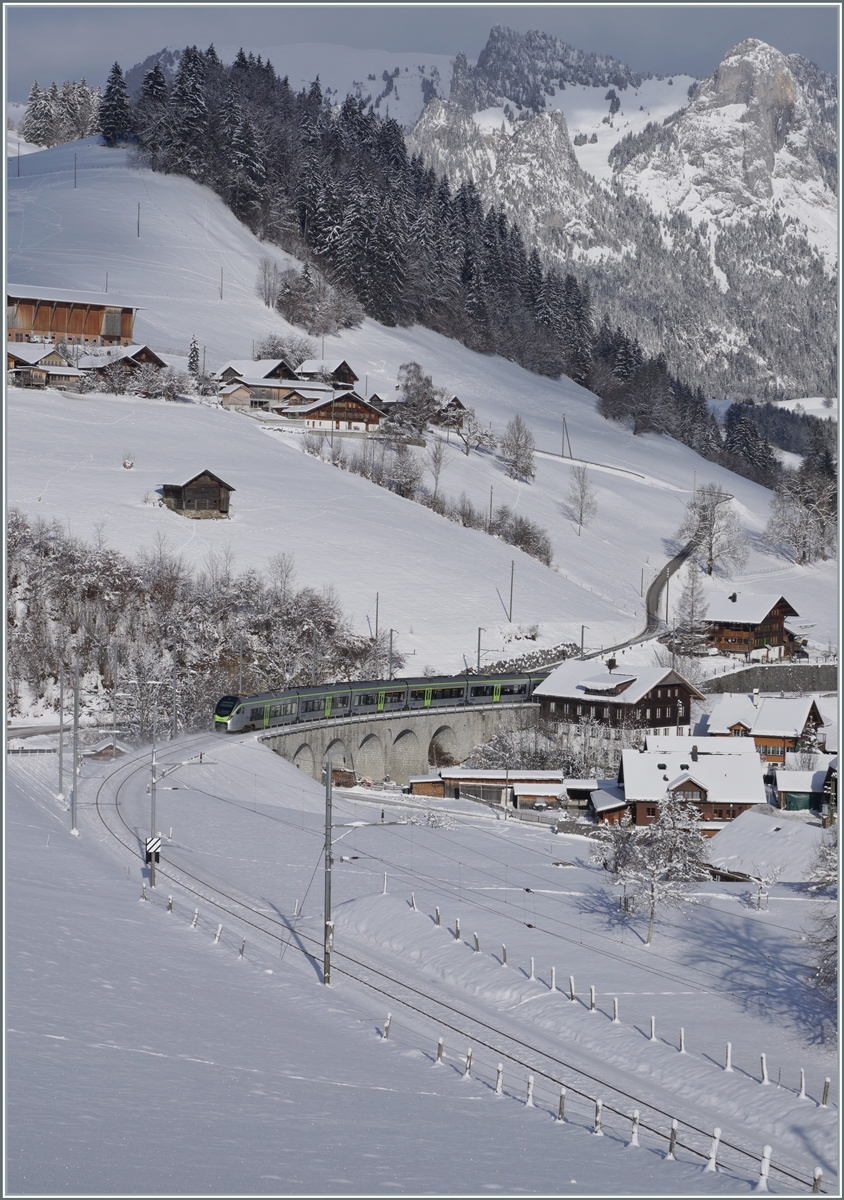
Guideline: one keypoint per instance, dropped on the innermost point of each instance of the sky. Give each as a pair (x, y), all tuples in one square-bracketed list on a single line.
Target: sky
[(56, 42)]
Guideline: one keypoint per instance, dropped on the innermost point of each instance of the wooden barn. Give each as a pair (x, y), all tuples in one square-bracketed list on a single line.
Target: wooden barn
[(260, 368), (206, 494), (36, 314), (346, 411)]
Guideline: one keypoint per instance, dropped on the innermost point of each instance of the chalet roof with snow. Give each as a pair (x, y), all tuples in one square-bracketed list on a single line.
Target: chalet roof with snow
[(774, 716), (607, 799), (800, 781), (701, 744), (257, 368), (745, 609), (325, 366), (726, 779), (26, 291), (32, 352), (137, 353), (577, 680), (200, 475)]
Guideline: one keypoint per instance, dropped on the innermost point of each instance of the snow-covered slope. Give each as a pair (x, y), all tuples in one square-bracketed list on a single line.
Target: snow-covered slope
[(437, 582)]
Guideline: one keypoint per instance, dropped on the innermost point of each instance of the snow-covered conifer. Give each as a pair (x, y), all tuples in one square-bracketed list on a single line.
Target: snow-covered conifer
[(115, 114)]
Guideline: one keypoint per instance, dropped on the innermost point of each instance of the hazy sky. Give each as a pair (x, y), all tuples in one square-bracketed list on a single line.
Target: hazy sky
[(69, 41)]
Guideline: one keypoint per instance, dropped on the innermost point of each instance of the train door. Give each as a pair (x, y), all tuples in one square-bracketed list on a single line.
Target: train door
[(428, 693), (328, 705), (266, 716), (380, 702), (496, 693)]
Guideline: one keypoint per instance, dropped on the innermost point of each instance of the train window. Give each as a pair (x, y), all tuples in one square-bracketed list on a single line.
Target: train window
[(513, 689), (313, 705), (454, 693), (395, 697), (225, 705), (482, 690), (282, 710), (339, 701), (365, 698), (256, 714), (420, 695)]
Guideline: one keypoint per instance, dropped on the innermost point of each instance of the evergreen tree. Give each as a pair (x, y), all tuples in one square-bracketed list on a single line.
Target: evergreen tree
[(690, 614), (37, 124), (115, 116), (193, 358)]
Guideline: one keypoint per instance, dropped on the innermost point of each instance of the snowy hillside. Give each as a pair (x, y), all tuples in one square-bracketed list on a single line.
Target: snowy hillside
[(437, 581), (204, 1031)]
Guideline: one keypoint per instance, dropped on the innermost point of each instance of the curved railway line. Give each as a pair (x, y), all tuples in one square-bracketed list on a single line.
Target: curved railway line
[(443, 1013)]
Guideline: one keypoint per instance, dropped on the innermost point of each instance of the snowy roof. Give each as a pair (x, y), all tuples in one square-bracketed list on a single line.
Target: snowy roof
[(106, 743), (325, 402), (106, 355), (499, 775), (312, 366), (581, 785), (762, 838), (725, 778), (703, 744), (569, 681), (26, 291), (606, 799), (68, 372), (746, 609), (800, 781), (32, 352), (254, 368), (775, 716)]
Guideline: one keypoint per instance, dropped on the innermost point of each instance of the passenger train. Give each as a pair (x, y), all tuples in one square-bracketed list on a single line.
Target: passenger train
[(266, 710)]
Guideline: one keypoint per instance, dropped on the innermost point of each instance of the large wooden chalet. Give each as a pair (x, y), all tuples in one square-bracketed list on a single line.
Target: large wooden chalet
[(206, 494), (776, 724), (721, 786), (259, 368), (740, 624), (333, 371), (346, 411), (39, 314), (36, 365), (655, 698)]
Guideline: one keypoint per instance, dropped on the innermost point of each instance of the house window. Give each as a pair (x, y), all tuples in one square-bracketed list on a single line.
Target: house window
[(647, 714), (650, 812), (658, 713), (680, 710), (566, 708), (719, 814), (553, 706), (580, 710)]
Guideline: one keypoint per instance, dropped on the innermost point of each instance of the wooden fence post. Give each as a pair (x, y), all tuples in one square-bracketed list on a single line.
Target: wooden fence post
[(532, 970), (672, 1144), (499, 1080), (387, 1027), (457, 929), (825, 1100), (598, 1131), (764, 1062), (591, 999), (572, 994), (764, 1168), (503, 955), (467, 1074), (437, 917), (529, 1101), (728, 1066), (439, 1061), (615, 1010), (477, 945), (712, 1165), (634, 1136), (817, 1180), (561, 1112), (653, 1029)]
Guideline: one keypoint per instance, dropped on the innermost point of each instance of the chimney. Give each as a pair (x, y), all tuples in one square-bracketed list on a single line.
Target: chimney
[(694, 753), (611, 665), (755, 697), (734, 597)]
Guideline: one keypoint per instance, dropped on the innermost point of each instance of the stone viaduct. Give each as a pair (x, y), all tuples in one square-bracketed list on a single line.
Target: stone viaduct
[(397, 744)]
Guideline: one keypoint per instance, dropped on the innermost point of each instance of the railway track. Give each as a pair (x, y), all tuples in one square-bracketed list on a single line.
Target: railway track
[(442, 1010)]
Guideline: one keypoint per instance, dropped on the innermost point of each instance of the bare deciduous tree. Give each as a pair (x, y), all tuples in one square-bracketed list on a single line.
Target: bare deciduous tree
[(438, 461), (517, 447), (712, 526), (581, 502)]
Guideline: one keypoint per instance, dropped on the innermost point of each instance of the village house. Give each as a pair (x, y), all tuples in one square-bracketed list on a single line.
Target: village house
[(346, 411), (131, 357), (52, 315), (329, 371), (776, 724), (451, 414), (272, 393), (34, 365), (742, 624), (797, 790), (721, 786), (204, 495), (656, 698)]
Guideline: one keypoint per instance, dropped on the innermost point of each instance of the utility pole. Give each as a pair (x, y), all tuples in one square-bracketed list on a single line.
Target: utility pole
[(512, 572), (390, 674), (106, 282), (328, 932), (240, 668), (376, 618), (152, 811), (74, 165), (480, 628), (204, 348), (667, 585), (139, 218), (113, 703), (221, 283), (19, 165), (75, 748), (490, 509), (642, 584), (61, 730), (582, 629)]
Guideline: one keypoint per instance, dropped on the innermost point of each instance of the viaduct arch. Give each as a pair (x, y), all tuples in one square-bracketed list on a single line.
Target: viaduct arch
[(397, 745)]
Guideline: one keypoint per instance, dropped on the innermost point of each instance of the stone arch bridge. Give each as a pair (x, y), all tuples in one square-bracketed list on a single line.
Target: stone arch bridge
[(397, 744)]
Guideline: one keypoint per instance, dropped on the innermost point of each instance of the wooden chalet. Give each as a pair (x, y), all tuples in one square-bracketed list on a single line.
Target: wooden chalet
[(131, 357), (721, 786), (776, 724), (339, 373), (34, 365), (656, 698), (347, 411), (36, 314), (451, 415), (206, 494), (272, 393), (740, 624)]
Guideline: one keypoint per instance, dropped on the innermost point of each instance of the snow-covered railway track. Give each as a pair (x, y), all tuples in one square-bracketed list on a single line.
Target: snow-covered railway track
[(443, 1012)]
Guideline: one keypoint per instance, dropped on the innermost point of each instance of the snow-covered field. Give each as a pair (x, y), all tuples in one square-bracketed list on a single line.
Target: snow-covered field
[(143, 1057), (438, 583)]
